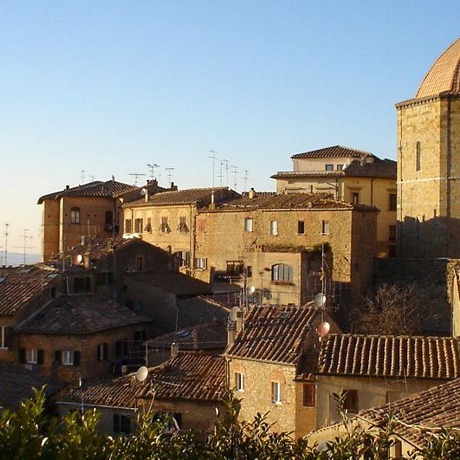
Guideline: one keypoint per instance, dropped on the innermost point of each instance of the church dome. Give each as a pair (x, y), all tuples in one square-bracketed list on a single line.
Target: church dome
[(444, 75)]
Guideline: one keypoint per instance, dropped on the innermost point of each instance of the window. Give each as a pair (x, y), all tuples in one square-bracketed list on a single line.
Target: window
[(392, 201), (309, 394), (5, 333), (418, 156), (68, 357), (325, 227), (239, 381), (200, 263), (301, 227), (75, 215), (182, 227), (248, 271), (138, 225), (139, 263), (183, 258), (282, 272), (276, 392), (128, 226), (109, 218), (392, 233), (235, 267), (148, 225), (274, 227), (121, 424), (248, 224), (355, 197), (102, 352), (339, 167), (164, 225), (350, 402), (32, 356), (329, 167)]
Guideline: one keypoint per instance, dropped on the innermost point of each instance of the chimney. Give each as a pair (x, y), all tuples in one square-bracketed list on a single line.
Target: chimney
[(212, 197), (231, 332), (252, 193), (67, 187), (174, 349)]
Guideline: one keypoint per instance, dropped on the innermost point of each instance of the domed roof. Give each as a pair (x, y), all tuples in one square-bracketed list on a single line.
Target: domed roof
[(444, 75)]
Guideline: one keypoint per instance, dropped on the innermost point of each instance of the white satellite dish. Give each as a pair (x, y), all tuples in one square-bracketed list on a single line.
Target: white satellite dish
[(79, 259), (144, 191), (320, 299), (142, 374), (234, 313), (252, 289), (323, 328)]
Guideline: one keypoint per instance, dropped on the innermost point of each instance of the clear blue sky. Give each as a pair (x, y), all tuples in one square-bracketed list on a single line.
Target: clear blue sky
[(106, 87)]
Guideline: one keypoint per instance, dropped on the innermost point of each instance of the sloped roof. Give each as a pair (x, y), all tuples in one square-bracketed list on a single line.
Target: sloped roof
[(377, 168), (336, 151), (274, 333), (187, 376), (444, 75), (174, 282), (390, 356), (80, 314), (288, 201), (19, 285), (421, 414), (198, 337), (17, 383), (96, 189), (199, 196)]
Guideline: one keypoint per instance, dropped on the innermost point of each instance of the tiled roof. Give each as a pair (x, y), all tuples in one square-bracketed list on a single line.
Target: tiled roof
[(80, 314), (199, 337), (421, 414), (306, 174), (274, 333), (390, 356), (444, 75), (289, 201), (95, 189), (199, 196), (16, 384), (174, 282), (19, 285), (377, 168), (336, 151), (187, 376)]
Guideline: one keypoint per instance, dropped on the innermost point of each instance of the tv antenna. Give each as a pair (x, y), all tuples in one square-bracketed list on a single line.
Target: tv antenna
[(213, 158), (136, 176), (82, 176), (6, 242), (246, 175), (222, 162), (152, 168), (169, 173), (235, 172), (24, 247)]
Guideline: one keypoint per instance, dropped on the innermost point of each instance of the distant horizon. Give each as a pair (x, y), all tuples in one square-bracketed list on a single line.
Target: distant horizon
[(15, 259)]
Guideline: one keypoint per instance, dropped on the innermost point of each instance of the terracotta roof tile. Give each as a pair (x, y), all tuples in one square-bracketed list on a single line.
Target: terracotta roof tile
[(187, 376), (390, 356), (19, 285), (377, 168), (422, 413), (270, 335), (96, 189), (336, 151), (79, 314)]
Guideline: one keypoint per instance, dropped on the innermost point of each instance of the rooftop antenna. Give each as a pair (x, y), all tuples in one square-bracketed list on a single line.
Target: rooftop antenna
[(136, 176), (91, 178), (82, 176), (6, 242), (214, 158), (152, 168), (24, 246), (169, 173), (235, 172), (246, 175)]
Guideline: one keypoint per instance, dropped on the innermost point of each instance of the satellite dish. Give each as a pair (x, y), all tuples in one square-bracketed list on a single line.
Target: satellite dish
[(323, 328), (234, 313), (142, 374), (320, 300), (144, 191), (79, 259), (252, 289)]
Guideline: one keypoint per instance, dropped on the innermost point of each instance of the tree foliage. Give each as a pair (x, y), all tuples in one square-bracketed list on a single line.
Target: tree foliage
[(29, 434)]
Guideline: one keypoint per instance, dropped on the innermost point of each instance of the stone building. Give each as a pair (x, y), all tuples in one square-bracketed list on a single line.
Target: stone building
[(270, 364), (429, 163), (350, 175)]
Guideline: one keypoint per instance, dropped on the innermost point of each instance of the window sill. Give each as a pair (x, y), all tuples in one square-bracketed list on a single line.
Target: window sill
[(282, 283)]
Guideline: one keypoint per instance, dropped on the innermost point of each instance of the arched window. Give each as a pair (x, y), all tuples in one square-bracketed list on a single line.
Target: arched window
[(75, 215), (281, 272), (418, 156)]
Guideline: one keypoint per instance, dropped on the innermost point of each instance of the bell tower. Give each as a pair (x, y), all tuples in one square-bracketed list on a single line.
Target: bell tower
[(428, 178)]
